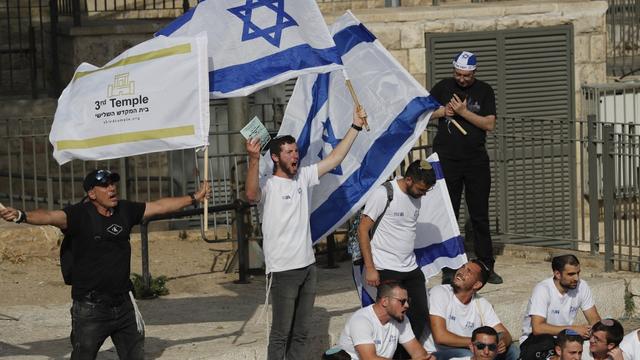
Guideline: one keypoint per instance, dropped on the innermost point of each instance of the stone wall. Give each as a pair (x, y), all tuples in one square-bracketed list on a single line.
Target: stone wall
[(401, 30)]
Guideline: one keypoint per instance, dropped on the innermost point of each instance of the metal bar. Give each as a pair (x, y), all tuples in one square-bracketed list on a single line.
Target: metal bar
[(608, 179), (55, 66), (594, 207)]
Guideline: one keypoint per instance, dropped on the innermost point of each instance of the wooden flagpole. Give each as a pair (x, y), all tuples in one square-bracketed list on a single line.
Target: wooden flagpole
[(354, 96)]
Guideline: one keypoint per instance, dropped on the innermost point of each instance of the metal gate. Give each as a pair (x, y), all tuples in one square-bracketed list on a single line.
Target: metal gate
[(531, 71)]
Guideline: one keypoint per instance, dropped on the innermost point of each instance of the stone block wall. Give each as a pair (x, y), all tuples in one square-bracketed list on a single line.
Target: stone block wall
[(402, 30)]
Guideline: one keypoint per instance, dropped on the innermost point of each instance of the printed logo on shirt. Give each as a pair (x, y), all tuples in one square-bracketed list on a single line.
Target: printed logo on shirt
[(573, 309), (452, 317), (473, 105), (377, 342), (398, 213), (469, 325), (393, 339), (299, 190), (114, 229), (286, 197), (555, 311)]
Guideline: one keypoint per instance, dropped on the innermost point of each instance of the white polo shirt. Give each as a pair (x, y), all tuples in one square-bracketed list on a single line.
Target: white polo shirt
[(364, 327), (394, 240), (285, 205), (461, 319), (558, 309)]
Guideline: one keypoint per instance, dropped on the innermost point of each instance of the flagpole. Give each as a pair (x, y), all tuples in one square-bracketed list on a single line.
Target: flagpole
[(206, 180), (354, 96)]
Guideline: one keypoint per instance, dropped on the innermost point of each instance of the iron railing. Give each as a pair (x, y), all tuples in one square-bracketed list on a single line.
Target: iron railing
[(623, 29)]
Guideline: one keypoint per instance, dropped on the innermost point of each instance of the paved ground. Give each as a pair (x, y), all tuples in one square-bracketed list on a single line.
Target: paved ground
[(208, 316)]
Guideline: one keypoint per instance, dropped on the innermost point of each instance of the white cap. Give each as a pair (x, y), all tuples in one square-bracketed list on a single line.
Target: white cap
[(465, 61)]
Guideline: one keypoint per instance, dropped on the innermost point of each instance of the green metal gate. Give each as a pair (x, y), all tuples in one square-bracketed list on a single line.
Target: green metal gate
[(533, 161)]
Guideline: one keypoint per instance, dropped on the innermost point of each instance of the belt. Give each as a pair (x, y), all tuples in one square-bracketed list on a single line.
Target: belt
[(96, 297)]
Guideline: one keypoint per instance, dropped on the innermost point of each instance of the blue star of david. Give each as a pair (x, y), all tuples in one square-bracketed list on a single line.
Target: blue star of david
[(272, 33), (329, 137)]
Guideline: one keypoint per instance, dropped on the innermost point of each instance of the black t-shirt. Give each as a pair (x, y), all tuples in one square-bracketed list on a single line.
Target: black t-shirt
[(450, 143), (101, 249)]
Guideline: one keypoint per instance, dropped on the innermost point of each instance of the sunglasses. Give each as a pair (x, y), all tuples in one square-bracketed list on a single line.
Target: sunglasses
[(402, 301), (102, 177), (481, 346)]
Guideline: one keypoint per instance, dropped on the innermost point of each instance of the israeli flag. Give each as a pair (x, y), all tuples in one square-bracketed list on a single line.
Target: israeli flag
[(438, 240), (258, 43)]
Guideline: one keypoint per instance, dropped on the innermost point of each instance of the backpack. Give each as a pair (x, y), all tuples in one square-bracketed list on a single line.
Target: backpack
[(353, 245), (538, 347)]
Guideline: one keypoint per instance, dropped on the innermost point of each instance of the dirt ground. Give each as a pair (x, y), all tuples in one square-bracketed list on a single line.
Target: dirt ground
[(30, 268)]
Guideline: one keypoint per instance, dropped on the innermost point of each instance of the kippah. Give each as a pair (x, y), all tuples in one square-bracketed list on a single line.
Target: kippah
[(465, 61)]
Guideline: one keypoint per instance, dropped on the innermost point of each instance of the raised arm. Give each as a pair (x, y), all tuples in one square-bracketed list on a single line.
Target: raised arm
[(252, 187), (487, 123), (339, 152), (57, 218), (172, 204)]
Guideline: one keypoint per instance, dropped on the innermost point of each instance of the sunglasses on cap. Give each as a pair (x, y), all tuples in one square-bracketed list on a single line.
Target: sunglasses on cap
[(481, 346)]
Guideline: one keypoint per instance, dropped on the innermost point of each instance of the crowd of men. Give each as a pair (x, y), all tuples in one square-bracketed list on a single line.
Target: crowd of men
[(450, 321)]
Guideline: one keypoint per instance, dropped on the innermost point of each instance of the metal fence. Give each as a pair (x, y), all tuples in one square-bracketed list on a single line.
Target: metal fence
[(556, 182), (623, 28)]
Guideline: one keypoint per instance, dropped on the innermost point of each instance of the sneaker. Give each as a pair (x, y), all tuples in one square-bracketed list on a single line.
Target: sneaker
[(447, 275), (495, 278)]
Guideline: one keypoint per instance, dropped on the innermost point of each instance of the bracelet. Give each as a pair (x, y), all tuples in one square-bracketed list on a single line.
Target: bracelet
[(194, 201), (22, 217), (356, 127)]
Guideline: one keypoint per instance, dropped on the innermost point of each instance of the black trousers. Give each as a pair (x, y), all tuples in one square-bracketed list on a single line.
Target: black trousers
[(414, 281), (474, 176)]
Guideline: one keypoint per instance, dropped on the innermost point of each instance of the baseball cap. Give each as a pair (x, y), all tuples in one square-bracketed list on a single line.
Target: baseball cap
[(99, 177), (465, 61)]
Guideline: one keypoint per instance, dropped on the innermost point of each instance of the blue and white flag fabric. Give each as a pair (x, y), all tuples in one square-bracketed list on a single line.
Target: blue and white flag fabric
[(438, 241), (133, 105), (320, 112), (258, 43)]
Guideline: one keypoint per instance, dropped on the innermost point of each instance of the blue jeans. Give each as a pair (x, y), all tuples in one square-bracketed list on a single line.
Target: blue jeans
[(513, 353), (92, 323), (293, 293)]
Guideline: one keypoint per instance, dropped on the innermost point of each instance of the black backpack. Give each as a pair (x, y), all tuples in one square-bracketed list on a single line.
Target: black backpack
[(353, 244)]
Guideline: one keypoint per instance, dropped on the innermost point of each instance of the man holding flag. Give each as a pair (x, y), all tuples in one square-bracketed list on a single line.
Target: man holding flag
[(97, 262), (389, 254), (284, 197)]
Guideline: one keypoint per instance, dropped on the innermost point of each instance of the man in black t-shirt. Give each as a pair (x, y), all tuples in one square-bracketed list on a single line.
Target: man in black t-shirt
[(95, 258), (471, 105)]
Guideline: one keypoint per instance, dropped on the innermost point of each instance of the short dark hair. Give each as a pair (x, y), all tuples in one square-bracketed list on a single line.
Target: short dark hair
[(421, 171), (386, 288), (559, 262), (567, 335), (484, 270), (613, 329), (275, 145), (487, 330)]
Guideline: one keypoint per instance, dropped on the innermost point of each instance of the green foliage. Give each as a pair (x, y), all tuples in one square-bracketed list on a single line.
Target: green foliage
[(629, 305), (157, 288)]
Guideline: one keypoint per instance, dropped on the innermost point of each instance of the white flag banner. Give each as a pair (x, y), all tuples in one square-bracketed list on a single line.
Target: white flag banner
[(258, 43), (438, 241), (153, 97)]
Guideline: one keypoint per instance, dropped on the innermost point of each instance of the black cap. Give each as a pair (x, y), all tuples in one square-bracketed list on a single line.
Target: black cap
[(99, 177)]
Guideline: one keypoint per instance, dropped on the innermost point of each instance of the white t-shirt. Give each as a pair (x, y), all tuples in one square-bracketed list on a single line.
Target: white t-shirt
[(285, 211), (364, 327), (556, 308), (462, 358), (461, 319), (394, 240), (630, 346)]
